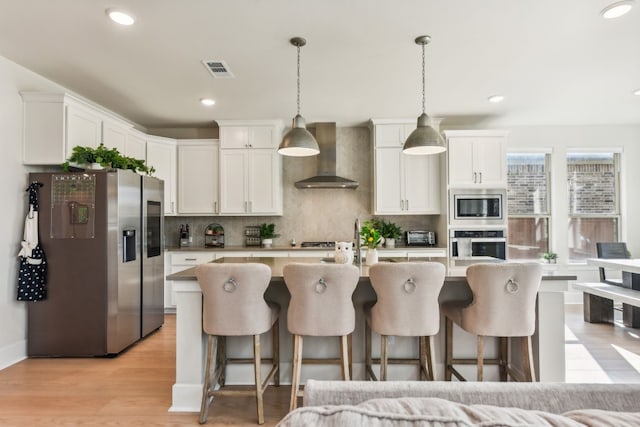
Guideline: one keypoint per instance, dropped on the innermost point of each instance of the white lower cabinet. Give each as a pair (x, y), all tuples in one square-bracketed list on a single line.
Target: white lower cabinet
[(179, 261)]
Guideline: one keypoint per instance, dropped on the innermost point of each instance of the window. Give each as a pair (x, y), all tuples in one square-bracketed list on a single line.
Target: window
[(528, 205), (594, 213)]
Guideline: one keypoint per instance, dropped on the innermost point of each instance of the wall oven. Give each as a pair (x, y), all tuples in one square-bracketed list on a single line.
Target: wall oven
[(472, 243), (471, 207)]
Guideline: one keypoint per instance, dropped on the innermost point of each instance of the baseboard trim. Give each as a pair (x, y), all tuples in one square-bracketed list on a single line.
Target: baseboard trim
[(13, 353)]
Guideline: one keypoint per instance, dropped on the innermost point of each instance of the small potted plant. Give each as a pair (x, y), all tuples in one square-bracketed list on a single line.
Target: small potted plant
[(267, 234), (390, 232), (550, 257), (371, 238)]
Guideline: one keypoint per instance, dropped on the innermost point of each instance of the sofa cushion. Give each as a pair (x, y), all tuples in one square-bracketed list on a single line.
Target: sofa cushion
[(600, 418), (401, 412)]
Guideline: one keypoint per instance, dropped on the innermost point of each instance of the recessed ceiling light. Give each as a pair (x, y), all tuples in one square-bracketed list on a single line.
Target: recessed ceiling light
[(207, 101), (636, 92), (617, 9), (120, 17), (495, 98)]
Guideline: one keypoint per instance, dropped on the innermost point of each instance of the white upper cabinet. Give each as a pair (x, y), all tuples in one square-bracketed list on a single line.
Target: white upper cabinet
[(477, 159), (54, 123), (114, 135), (136, 145), (250, 168), (198, 177), (161, 154), (403, 184)]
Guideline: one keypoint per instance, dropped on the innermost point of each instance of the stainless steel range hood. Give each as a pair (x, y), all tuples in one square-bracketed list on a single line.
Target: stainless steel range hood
[(326, 177)]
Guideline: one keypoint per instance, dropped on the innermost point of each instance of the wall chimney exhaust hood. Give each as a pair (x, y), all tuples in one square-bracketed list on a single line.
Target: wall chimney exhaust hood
[(326, 177)]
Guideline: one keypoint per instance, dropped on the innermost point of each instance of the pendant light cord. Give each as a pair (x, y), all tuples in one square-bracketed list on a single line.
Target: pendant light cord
[(424, 97), (298, 80)]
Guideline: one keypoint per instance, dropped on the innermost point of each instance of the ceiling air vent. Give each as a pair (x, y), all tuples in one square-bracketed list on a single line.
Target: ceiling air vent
[(218, 69)]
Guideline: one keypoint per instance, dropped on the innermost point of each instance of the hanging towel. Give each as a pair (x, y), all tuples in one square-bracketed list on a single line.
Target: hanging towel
[(32, 276)]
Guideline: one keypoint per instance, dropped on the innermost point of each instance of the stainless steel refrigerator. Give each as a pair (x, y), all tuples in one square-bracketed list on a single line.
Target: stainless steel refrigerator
[(102, 232)]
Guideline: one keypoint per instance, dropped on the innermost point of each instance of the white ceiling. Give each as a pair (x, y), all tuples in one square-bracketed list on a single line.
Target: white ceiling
[(557, 62)]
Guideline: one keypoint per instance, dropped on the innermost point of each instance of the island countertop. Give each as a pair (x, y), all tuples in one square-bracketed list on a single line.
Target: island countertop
[(277, 263)]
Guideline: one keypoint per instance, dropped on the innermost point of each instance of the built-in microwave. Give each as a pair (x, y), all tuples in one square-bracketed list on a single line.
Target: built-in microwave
[(478, 207)]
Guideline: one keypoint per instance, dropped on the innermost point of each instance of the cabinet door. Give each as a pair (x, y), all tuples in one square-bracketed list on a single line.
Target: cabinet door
[(461, 165), (264, 182), (389, 136), (162, 156), (233, 166), (83, 128), (198, 179), (234, 137), (490, 161), (262, 137), (388, 196), (136, 146), (114, 136), (421, 184)]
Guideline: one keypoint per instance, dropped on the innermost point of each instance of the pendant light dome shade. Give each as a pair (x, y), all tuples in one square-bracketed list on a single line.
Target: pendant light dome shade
[(425, 139), (298, 142)]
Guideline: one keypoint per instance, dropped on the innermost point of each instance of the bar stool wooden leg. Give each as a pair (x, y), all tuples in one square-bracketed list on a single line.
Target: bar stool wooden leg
[(350, 351), (207, 386), (257, 369), (448, 326), (222, 359), (344, 356), (504, 358), (275, 348), (429, 360), (295, 376), (527, 359), (480, 357), (383, 358), (422, 359), (367, 353)]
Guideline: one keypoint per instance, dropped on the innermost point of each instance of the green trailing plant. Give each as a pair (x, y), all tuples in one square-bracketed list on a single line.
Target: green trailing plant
[(550, 256), (268, 231), (108, 158)]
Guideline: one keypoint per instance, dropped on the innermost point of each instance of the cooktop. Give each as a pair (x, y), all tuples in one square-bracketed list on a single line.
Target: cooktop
[(317, 244)]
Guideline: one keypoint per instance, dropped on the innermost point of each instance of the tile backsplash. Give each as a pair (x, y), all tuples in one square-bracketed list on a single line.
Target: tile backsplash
[(310, 214)]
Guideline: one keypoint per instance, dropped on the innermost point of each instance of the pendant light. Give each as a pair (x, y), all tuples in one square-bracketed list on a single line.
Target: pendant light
[(298, 142), (425, 139)]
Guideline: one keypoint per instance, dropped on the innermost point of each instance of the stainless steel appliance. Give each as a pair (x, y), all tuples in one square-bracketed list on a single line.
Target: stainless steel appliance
[(420, 238), (103, 232), (481, 207), (487, 243), (329, 245)]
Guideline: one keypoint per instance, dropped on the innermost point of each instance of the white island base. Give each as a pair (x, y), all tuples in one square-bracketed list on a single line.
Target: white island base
[(548, 341)]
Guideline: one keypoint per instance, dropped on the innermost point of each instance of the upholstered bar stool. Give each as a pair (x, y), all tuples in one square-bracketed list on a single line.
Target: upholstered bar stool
[(504, 306), (320, 306), (234, 305), (407, 305)]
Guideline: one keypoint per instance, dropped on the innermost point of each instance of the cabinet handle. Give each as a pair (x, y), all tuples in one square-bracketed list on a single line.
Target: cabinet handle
[(480, 174), (475, 177), (401, 204), (250, 206), (215, 207), (406, 203), (245, 206), (190, 259)]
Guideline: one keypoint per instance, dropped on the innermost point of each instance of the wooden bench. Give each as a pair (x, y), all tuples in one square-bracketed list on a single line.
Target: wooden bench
[(598, 299)]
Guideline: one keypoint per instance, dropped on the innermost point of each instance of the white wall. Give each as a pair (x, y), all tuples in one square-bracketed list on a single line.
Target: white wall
[(14, 179)]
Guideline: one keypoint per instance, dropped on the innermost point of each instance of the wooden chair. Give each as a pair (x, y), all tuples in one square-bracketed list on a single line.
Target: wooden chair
[(320, 305), (234, 305), (407, 305), (504, 306)]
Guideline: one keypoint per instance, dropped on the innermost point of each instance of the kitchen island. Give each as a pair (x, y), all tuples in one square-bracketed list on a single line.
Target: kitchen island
[(548, 341)]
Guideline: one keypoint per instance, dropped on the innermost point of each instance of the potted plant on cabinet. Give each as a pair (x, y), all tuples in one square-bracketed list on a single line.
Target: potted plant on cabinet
[(267, 234), (102, 157)]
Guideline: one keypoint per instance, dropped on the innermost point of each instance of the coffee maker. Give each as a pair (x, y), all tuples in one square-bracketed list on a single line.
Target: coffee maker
[(185, 238)]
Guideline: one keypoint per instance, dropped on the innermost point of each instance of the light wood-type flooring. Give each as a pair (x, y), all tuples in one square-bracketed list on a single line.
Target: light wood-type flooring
[(134, 389)]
